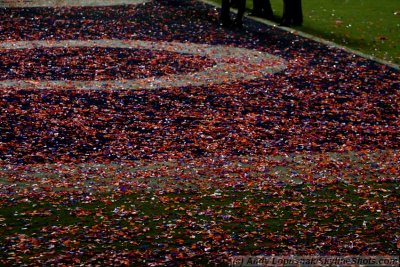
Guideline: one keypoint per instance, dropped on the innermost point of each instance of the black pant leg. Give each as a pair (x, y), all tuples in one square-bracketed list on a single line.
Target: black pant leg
[(225, 11), (241, 9), (257, 7), (286, 16), (267, 9), (297, 13)]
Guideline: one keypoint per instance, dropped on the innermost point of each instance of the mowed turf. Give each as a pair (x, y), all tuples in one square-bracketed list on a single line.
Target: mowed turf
[(369, 26), (200, 212)]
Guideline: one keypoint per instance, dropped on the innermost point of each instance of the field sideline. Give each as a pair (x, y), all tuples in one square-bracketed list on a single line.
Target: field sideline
[(345, 23)]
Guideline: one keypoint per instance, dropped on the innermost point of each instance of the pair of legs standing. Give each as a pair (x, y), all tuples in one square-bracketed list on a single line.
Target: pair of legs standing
[(261, 8), (292, 13)]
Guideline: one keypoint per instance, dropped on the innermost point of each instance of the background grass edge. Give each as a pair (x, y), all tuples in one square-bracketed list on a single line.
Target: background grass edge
[(346, 29)]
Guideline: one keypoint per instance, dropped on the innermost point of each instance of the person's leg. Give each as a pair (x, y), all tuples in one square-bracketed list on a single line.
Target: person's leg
[(257, 8), (241, 9), (224, 17), (297, 13), (267, 9), (286, 16)]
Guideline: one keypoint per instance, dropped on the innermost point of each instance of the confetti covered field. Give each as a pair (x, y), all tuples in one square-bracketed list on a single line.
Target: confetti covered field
[(142, 133)]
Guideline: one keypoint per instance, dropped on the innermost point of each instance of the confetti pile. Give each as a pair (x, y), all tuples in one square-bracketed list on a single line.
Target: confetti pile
[(299, 158)]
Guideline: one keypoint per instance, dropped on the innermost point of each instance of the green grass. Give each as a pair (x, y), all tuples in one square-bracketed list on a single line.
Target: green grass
[(305, 197), (150, 220), (369, 26)]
